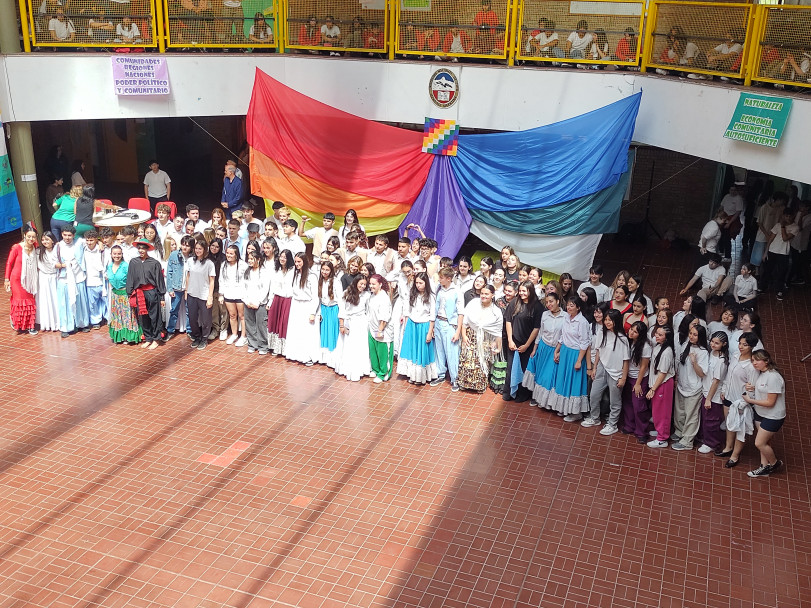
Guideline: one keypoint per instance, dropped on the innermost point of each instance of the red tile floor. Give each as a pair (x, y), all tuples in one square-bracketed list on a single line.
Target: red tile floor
[(206, 479)]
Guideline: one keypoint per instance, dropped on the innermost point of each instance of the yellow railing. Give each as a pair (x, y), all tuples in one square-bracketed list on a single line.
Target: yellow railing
[(701, 38), (781, 53), (90, 24), (760, 43), (203, 24), (595, 32)]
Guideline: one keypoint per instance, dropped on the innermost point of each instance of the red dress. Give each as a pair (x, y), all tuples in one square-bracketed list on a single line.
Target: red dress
[(23, 304)]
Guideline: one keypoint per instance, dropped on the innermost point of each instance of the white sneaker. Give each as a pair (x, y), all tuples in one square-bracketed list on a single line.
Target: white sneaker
[(608, 429), (223, 334), (241, 342), (231, 339), (572, 418), (661, 72), (696, 77), (655, 443), (377, 380), (587, 422), (705, 449)]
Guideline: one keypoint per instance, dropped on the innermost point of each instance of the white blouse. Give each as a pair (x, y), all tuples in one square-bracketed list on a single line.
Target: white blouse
[(232, 279), (551, 327), (687, 380), (421, 312), (257, 287), (379, 309), (575, 332), (337, 292)]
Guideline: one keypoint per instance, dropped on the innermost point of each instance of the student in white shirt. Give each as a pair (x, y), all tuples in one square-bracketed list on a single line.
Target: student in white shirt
[(320, 234), (711, 275), (417, 356), (767, 396), (579, 42), (290, 240), (200, 273), (693, 365), (610, 371), (744, 289), (660, 379), (775, 274), (603, 292)]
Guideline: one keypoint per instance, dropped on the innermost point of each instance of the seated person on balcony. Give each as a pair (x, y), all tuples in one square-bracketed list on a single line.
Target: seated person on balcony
[(600, 49), (456, 40), (261, 32), (799, 71), (99, 28), (373, 36), (127, 32), (61, 28), (487, 21), (579, 42), (330, 33), (309, 34), (433, 39), (626, 47), (544, 41), (354, 39), (411, 39), (678, 50), (770, 61), (727, 54)]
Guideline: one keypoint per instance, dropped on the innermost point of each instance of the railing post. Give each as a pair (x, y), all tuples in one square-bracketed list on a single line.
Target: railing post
[(753, 48), (393, 16), (280, 7), (647, 45), (25, 19), (512, 37), (161, 18)]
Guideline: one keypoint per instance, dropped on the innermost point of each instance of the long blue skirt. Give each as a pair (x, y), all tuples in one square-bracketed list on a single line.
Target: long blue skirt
[(329, 327), (541, 369), (570, 392), (414, 348)]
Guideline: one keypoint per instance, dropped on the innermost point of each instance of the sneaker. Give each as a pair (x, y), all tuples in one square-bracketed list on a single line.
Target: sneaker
[(65, 334), (798, 282), (96, 326), (437, 382), (377, 380), (696, 76), (213, 335), (251, 349), (223, 334), (263, 351), (680, 447), (556, 64), (608, 429), (202, 345), (241, 342), (33, 332), (454, 388), (308, 364), (84, 330), (779, 296), (572, 418), (724, 79), (661, 72), (655, 443), (231, 339), (704, 449), (762, 471), (587, 422), (581, 66), (776, 466), (194, 343), (533, 403)]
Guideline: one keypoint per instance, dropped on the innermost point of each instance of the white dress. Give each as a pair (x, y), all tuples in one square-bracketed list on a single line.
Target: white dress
[(353, 361), (47, 311), (303, 338)]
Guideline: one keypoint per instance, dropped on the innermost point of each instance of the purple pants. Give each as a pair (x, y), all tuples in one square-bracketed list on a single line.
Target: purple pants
[(662, 409), (710, 432), (636, 411)]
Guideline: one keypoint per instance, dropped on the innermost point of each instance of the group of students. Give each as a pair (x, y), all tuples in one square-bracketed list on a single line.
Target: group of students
[(355, 307)]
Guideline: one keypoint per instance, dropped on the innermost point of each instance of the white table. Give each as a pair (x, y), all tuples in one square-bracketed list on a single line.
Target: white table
[(137, 216)]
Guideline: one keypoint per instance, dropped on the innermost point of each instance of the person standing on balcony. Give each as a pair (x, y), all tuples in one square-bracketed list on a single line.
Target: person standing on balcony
[(157, 184), (486, 21), (231, 191)]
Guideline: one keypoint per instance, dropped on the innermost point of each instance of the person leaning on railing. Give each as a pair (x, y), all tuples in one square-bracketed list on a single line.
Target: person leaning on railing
[(128, 32), (261, 32), (61, 28), (799, 71), (579, 42), (544, 41)]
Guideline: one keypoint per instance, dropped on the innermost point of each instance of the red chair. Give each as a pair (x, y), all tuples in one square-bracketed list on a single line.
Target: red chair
[(142, 204), (172, 208)]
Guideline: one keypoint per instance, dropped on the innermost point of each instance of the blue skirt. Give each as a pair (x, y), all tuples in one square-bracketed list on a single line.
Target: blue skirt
[(569, 382), (541, 369), (329, 327), (414, 348)]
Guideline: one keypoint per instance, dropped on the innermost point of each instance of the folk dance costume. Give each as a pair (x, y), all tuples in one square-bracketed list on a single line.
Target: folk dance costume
[(21, 271), (381, 344), (482, 327), (124, 325), (542, 369), (397, 315), (256, 295), (449, 305), (96, 297), (71, 290), (47, 308), (354, 345), (279, 313), (417, 358), (329, 326), (305, 347), (570, 392), (146, 288)]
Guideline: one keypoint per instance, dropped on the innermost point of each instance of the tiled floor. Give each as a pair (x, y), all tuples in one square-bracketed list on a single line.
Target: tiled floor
[(206, 479)]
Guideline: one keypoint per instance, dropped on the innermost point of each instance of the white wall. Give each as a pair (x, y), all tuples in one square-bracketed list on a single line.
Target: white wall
[(680, 115)]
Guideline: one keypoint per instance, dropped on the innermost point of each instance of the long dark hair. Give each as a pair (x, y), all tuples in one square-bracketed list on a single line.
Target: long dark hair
[(722, 336), (41, 249), (331, 284), (217, 258), (638, 345), (352, 293), (304, 273), (684, 327), (668, 343), (700, 343), (618, 331), (698, 308), (288, 260), (426, 296), (532, 297), (603, 307)]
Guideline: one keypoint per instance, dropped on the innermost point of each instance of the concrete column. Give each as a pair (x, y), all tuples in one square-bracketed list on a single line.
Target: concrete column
[(9, 35), (21, 152)]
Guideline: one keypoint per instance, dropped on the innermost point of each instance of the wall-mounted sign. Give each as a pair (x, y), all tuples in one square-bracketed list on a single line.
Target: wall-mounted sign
[(443, 88), (759, 119), (140, 75)]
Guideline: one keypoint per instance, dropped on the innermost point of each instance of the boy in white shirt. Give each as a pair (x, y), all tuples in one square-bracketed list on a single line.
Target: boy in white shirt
[(193, 214), (319, 235), (579, 42), (289, 240), (163, 225), (777, 253), (93, 260), (604, 293), (711, 275)]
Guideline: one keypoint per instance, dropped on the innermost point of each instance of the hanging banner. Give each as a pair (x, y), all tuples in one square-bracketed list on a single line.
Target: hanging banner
[(10, 216), (759, 119), (140, 76)]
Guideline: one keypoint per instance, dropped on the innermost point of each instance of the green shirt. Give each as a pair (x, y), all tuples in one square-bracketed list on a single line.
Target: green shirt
[(64, 211)]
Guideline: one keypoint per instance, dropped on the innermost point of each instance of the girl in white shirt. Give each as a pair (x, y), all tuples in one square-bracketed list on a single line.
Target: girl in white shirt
[(381, 333), (609, 372), (256, 294), (463, 279), (232, 276), (281, 289), (570, 395), (635, 406), (539, 376), (740, 374), (417, 355), (726, 323), (767, 395), (744, 291), (712, 412), (353, 341), (301, 323), (693, 365), (329, 292), (660, 378)]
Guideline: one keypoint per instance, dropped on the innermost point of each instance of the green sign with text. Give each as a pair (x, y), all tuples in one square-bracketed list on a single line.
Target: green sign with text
[(759, 119)]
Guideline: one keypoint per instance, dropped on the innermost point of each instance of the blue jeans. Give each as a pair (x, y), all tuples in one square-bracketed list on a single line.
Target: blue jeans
[(174, 309), (447, 352)]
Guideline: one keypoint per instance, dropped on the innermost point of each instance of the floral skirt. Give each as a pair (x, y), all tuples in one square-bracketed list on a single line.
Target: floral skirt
[(471, 375), (124, 326)]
